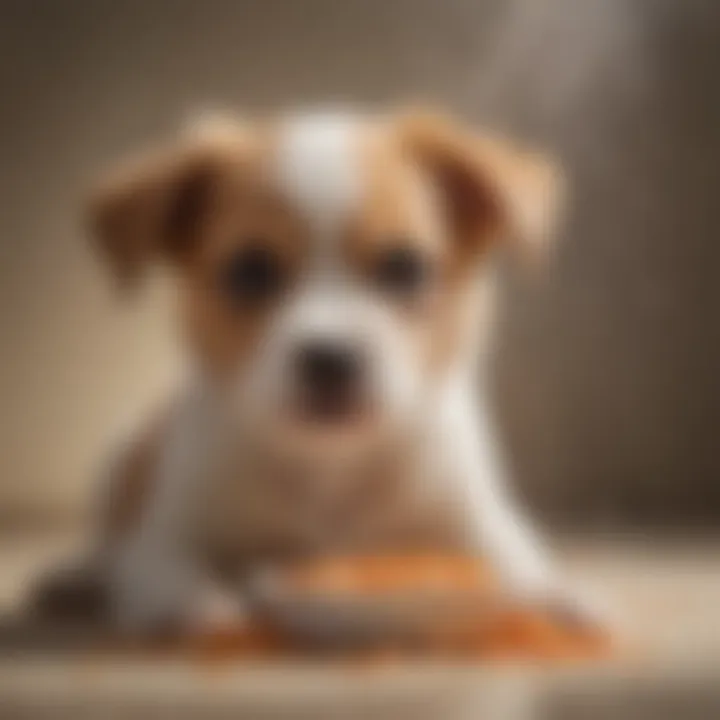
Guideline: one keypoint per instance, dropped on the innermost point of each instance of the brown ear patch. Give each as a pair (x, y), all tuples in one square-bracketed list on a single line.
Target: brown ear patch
[(153, 207), (472, 204), (533, 189), (492, 188)]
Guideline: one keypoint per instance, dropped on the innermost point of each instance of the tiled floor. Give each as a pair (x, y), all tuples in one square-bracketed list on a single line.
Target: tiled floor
[(668, 597)]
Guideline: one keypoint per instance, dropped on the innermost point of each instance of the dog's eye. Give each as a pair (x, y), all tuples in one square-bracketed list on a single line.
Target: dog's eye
[(252, 275), (401, 271)]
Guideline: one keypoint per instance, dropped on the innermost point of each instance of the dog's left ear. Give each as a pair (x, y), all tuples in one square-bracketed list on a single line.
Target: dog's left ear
[(493, 191)]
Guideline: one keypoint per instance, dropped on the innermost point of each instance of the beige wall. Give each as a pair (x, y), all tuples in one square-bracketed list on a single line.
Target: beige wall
[(607, 371)]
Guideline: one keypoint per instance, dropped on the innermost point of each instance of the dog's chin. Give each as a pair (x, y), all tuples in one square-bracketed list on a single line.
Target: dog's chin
[(328, 433)]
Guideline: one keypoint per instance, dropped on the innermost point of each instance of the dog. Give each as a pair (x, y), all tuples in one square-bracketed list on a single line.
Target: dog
[(335, 283)]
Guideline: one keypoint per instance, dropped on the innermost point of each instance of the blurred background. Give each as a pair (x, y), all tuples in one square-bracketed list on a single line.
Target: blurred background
[(608, 389)]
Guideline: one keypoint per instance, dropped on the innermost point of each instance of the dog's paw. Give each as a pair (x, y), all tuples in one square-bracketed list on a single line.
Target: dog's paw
[(150, 611), (579, 607), (570, 604), (164, 598), (215, 610), (153, 593)]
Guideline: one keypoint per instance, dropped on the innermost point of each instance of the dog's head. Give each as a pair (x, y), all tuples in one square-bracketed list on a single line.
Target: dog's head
[(326, 263)]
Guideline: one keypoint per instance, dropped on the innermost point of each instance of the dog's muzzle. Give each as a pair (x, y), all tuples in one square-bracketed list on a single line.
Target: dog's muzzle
[(331, 378)]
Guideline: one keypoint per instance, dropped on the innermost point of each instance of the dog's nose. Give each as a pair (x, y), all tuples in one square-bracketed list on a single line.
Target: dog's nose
[(328, 367)]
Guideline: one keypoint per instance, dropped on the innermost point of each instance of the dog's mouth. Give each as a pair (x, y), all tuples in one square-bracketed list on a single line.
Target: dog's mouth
[(333, 426), (332, 410)]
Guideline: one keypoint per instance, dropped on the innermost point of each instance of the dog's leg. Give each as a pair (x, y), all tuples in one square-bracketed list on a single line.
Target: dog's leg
[(159, 582), (79, 589), (496, 525), (159, 579)]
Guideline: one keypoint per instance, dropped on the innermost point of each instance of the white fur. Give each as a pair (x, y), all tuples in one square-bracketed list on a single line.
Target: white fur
[(216, 488), (318, 167)]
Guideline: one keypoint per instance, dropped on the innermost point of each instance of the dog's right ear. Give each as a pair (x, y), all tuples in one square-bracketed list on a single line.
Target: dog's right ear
[(152, 207)]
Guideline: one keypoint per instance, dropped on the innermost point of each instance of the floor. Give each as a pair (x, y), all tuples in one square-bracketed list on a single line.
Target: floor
[(666, 596)]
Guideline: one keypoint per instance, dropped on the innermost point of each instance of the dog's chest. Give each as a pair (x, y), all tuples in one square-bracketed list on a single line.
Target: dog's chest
[(251, 507)]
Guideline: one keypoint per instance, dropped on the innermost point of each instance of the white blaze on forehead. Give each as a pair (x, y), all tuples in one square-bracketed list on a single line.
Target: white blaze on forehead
[(319, 167)]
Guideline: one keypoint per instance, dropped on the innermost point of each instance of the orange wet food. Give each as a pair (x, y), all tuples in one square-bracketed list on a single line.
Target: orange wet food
[(378, 575)]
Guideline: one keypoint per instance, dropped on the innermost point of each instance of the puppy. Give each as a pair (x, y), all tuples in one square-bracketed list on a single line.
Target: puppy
[(334, 286)]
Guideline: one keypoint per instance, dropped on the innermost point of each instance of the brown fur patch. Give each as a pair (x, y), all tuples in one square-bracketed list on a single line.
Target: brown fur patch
[(248, 211), (504, 191)]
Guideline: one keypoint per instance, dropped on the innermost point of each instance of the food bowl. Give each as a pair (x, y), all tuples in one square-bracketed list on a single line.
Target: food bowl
[(363, 600)]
